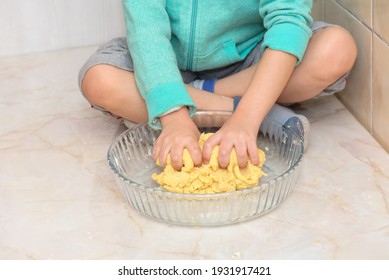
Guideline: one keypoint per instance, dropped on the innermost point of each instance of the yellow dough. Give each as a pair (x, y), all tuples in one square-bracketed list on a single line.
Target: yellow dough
[(210, 178)]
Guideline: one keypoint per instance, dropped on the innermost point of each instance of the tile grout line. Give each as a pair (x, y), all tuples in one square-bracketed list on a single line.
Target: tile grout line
[(373, 33), (371, 29)]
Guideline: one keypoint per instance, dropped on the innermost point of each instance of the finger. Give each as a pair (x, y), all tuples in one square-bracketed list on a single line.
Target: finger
[(224, 154), (253, 154), (241, 154), (163, 154), (176, 156), (195, 153), (209, 145)]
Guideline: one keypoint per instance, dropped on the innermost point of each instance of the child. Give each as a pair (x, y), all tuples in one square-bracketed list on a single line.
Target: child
[(180, 56)]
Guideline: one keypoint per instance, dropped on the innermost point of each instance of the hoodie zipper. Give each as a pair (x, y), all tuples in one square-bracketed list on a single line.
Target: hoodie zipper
[(192, 34)]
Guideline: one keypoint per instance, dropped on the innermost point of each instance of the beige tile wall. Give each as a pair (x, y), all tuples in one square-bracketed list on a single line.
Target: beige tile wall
[(381, 91), (381, 18), (357, 96), (317, 9), (360, 8), (367, 92)]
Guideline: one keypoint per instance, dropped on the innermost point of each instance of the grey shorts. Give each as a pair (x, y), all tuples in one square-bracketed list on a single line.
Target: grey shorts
[(115, 53)]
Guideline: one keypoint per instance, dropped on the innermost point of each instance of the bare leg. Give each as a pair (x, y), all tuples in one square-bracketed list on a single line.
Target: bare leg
[(330, 54), (115, 90)]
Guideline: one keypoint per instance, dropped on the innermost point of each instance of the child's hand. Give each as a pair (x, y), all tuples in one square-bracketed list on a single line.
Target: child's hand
[(179, 132), (236, 134)]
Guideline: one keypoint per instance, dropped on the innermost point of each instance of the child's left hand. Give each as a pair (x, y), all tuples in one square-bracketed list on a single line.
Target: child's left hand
[(238, 134)]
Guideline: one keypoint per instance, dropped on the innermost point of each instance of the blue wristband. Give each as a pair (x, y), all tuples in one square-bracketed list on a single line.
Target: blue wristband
[(209, 85)]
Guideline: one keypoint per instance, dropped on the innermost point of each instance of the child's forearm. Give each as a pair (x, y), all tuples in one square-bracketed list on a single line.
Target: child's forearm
[(270, 78), (181, 114)]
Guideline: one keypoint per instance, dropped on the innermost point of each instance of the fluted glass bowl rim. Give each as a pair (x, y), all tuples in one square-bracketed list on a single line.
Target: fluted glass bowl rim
[(212, 196)]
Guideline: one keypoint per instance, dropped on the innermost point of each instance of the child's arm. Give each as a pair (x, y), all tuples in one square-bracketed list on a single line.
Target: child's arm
[(288, 32), (159, 80), (240, 131), (155, 65)]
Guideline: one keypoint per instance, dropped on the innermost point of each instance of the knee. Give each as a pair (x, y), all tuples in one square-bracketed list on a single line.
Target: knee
[(95, 86), (338, 52)]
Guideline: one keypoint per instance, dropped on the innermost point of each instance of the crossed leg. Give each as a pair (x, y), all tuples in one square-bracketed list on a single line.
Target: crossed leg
[(330, 54)]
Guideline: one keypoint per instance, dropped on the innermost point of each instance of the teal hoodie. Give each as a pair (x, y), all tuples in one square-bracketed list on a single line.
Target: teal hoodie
[(166, 36)]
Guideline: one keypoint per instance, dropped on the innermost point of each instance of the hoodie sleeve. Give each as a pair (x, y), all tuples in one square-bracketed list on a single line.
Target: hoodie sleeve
[(155, 65), (288, 25)]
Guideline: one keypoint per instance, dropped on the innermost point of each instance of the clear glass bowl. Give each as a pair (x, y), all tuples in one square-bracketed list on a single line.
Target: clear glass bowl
[(130, 159)]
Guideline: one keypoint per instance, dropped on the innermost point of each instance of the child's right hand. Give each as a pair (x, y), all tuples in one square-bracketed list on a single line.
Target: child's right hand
[(179, 132)]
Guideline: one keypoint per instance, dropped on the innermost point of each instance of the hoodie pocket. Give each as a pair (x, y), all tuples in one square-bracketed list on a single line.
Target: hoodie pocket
[(221, 56), (231, 52)]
